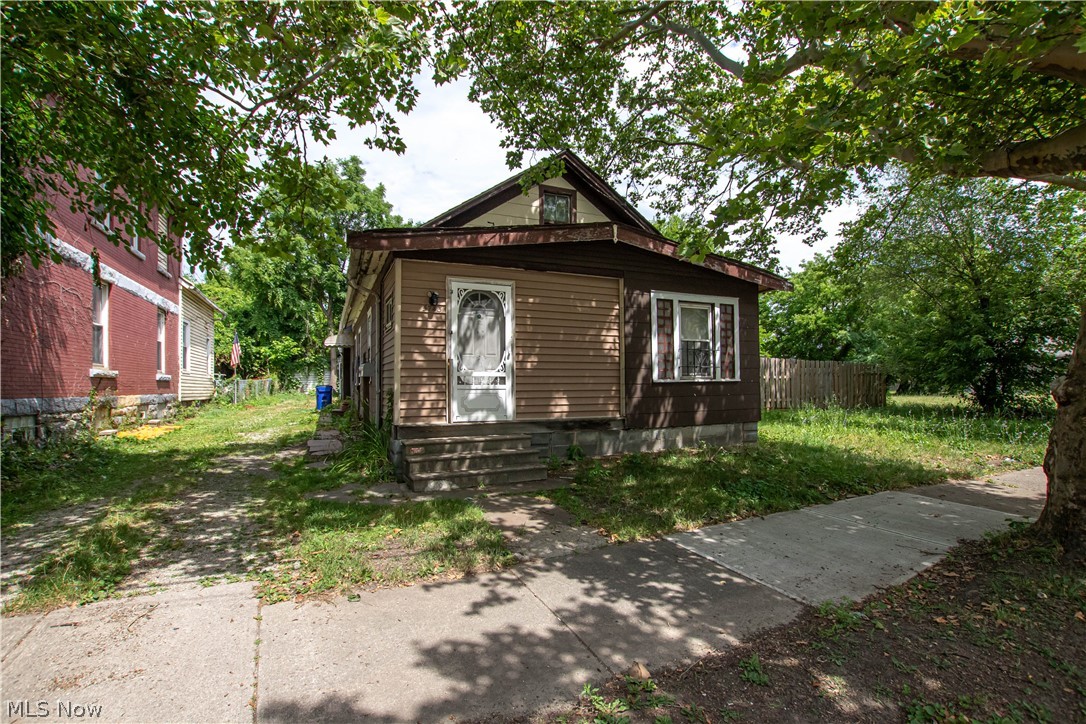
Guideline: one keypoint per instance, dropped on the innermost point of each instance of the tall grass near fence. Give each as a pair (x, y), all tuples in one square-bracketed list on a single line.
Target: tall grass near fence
[(804, 456)]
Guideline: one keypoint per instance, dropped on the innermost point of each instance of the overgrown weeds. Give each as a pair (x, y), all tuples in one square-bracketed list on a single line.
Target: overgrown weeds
[(803, 457), (365, 452)]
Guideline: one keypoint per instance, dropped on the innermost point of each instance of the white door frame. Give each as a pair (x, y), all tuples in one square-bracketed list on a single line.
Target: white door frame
[(504, 395)]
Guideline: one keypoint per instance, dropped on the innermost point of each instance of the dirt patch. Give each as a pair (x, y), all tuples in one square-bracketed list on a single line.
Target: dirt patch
[(995, 632), (210, 533), (535, 528)]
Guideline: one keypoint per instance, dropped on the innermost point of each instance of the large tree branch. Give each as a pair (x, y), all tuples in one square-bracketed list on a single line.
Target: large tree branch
[(1071, 182), (1063, 61), (1048, 160), (774, 72), (633, 25), (728, 65), (1059, 155)]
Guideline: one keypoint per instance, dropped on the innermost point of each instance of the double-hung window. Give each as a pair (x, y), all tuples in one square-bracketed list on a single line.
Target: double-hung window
[(101, 216), (163, 241), (161, 342), (100, 326), (209, 349), (694, 337), (185, 346)]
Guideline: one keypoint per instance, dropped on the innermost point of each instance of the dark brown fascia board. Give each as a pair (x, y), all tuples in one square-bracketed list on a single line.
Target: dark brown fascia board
[(766, 280), (578, 174), (603, 191), (478, 205), (417, 239)]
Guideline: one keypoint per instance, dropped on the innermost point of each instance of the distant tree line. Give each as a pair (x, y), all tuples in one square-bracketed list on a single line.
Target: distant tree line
[(284, 292), (969, 287)]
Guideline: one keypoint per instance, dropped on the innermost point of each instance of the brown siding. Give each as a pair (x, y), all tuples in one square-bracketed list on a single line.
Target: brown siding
[(367, 349), (566, 343), (388, 341), (649, 404)]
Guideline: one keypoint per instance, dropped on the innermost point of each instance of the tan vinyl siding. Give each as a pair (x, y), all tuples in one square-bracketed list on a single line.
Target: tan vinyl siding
[(388, 341), (524, 209), (566, 342), (196, 383)]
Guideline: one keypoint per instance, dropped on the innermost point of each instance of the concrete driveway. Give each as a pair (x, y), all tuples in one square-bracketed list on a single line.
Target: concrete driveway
[(504, 643)]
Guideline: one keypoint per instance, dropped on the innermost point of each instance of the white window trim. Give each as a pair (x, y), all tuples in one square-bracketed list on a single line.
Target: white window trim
[(105, 224), (160, 339), (186, 345), (134, 247), (104, 364), (209, 350), (715, 303)]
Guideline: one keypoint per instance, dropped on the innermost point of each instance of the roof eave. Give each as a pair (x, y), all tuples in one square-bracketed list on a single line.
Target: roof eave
[(417, 239)]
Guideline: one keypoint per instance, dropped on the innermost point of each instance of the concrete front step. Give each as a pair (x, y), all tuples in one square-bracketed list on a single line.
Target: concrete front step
[(465, 445), (477, 461), (435, 482)]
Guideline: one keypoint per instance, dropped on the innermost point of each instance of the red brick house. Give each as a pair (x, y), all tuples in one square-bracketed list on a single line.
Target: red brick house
[(66, 341)]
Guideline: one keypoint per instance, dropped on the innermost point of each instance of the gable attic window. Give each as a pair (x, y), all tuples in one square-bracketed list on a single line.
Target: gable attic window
[(557, 205), (694, 338)]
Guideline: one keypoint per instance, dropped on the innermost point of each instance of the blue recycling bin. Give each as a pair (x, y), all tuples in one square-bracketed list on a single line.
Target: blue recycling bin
[(324, 396)]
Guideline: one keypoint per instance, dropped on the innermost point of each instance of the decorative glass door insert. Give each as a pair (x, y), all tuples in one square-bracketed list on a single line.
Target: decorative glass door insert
[(480, 320)]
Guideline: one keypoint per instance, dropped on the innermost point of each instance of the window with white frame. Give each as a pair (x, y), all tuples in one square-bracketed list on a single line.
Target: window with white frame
[(209, 348), (161, 346), (100, 326), (694, 337), (102, 218), (163, 241), (390, 312), (185, 346)]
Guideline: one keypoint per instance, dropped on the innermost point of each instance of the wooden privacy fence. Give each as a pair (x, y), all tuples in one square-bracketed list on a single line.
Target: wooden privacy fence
[(790, 383)]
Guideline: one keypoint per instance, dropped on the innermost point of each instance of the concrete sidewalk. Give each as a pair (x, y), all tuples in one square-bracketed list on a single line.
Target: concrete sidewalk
[(503, 643)]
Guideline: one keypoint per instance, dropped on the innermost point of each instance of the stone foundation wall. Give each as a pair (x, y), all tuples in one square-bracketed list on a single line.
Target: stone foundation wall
[(41, 417)]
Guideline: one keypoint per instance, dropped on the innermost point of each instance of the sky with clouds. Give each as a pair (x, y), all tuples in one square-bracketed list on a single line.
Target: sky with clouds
[(453, 152)]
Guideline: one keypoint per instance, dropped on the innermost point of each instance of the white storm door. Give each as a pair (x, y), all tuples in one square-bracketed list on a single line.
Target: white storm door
[(480, 321)]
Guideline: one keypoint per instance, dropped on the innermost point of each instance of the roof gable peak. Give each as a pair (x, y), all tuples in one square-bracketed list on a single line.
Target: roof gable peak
[(576, 173)]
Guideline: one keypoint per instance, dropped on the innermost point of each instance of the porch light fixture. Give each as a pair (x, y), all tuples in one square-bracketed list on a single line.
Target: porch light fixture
[(433, 299)]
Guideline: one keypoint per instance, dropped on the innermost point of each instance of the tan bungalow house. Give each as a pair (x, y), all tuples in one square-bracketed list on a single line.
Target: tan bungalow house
[(517, 326)]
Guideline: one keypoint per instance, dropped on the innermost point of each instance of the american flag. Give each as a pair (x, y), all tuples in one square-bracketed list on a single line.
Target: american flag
[(235, 352)]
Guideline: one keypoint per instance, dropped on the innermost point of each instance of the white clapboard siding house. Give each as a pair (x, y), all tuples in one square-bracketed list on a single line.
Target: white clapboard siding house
[(196, 342)]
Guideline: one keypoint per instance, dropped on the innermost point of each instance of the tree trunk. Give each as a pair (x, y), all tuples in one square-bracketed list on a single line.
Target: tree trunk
[(1064, 516)]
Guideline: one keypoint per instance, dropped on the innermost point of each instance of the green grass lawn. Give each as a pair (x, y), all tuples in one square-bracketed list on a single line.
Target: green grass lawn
[(34, 481), (803, 457), (131, 480), (318, 546), (332, 546)]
